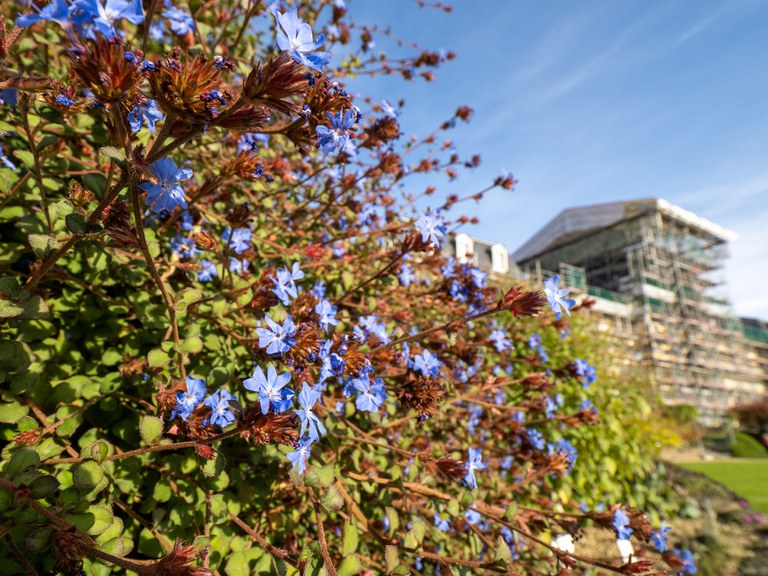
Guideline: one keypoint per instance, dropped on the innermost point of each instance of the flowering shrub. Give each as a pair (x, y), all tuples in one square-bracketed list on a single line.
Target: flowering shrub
[(232, 344)]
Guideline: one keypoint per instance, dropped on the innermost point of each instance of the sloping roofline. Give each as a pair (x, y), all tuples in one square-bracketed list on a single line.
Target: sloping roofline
[(573, 223)]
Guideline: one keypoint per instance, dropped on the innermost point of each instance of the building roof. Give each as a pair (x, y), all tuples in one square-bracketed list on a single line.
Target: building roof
[(573, 223)]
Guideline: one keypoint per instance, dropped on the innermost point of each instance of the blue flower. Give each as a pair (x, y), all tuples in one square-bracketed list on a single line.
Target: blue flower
[(660, 539), (62, 100), (295, 37), (689, 567), (536, 439), (181, 23), (186, 402), (147, 111), (308, 397), (102, 17), (459, 292), (500, 340), (4, 160), (221, 412), (565, 447), (275, 338), (238, 266), (534, 341), (427, 364), (443, 524), (587, 372), (406, 275), (327, 313), (389, 110), (556, 297), (157, 33), (586, 405), (370, 325), (187, 223), (318, 290), (621, 524), (240, 241), (55, 11), (184, 248), (334, 138), (249, 142), (271, 389), (432, 227), (366, 214), (370, 395), (285, 283), (166, 194), (300, 456), (473, 517), (207, 271), (473, 463)]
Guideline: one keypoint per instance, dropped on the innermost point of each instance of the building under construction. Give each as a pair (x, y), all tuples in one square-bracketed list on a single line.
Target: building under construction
[(656, 273)]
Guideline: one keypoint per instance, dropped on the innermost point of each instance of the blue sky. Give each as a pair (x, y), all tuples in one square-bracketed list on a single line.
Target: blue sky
[(588, 102)]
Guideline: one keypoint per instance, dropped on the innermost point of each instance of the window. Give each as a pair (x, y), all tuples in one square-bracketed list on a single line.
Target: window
[(464, 248), (499, 259)]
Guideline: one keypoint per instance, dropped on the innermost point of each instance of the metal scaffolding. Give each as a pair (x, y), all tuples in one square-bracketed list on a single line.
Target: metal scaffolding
[(655, 271)]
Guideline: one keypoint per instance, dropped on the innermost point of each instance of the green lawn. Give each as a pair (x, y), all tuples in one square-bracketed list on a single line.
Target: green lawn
[(747, 479)]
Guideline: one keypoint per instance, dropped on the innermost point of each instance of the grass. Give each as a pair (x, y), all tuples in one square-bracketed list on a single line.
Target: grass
[(747, 479)]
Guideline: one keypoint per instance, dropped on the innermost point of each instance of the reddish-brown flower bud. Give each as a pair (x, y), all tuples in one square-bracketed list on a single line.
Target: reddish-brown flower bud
[(190, 89), (522, 302), (277, 82), (7, 39), (184, 560), (422, 394), (204, 240), (640, 567), (65, 545), (259, 428), (102, 66), (28, 438), (79, 195), (465, 113)]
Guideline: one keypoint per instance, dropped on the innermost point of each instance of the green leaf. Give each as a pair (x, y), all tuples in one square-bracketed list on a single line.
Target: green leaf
[(391, 557), (10, 286), (42, 244), (35, 308), (10, 309), (394, 519), (76, 223), (23, 460), (112, 153), (26, 158), (350, 539), (100, 450), (503, 552), (43, 486), (333, 500), (111, 357), (191, 345), (12, 412), (157, 358), (87, 474), (350, 566), (39, 540), (102, 519), (151, 429), (116, 547)]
